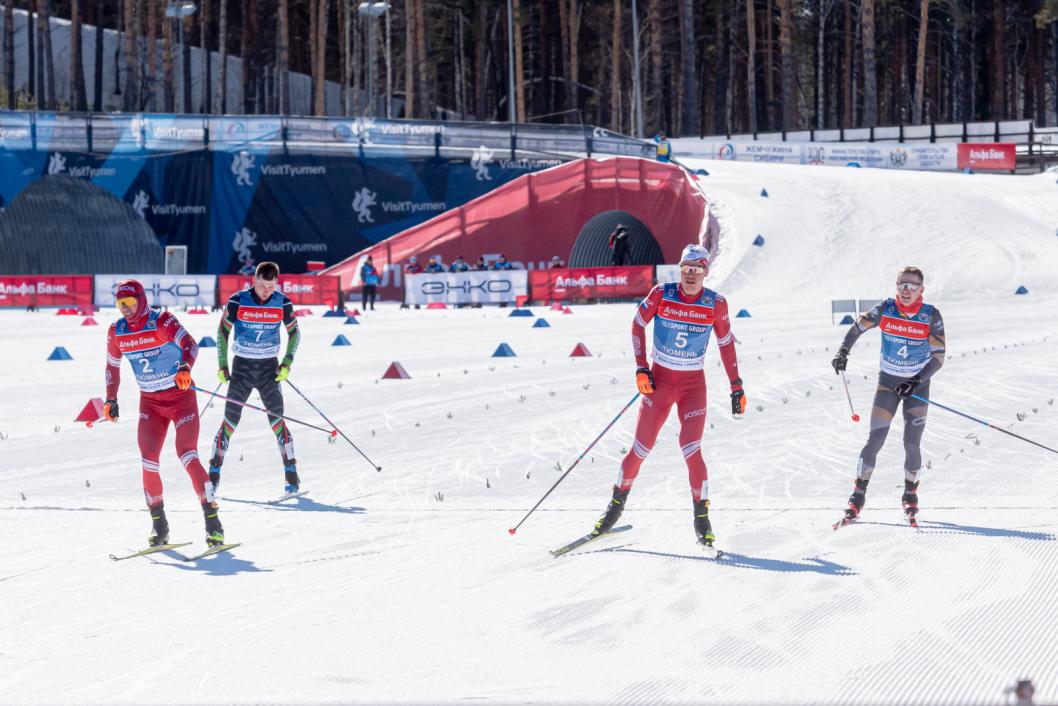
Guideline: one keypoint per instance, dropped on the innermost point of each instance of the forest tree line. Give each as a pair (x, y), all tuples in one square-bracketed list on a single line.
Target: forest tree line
[(706, 66)]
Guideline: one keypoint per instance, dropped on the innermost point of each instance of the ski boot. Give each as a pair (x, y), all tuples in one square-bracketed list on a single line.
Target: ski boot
[(909, 501), (856, 500), (293, 482), (702, 527), (214, 530), (613, 511), (160, 532)]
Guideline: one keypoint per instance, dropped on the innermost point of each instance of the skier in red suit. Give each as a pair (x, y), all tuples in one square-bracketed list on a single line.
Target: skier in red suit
[(685, 314), (161, 353)]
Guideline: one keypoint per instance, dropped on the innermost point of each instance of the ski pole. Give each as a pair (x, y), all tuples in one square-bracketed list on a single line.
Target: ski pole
[(336, 429), (206, 406), (613, 421), (855, 417), (332, 432), (987, 424)]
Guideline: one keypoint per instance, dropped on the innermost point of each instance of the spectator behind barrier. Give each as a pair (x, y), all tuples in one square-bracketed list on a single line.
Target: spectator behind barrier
[(413, 267), (480, 265), (458, 265), (433, 266), (502, 264), (555, 263)]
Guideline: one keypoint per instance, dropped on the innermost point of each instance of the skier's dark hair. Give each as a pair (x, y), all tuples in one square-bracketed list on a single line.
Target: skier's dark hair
[(914, 271), (267, 270)]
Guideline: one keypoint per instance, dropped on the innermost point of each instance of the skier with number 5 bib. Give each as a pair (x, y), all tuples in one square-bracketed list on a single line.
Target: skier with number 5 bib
[(162, 353), (255, 317), (912, 351), (685, 314)]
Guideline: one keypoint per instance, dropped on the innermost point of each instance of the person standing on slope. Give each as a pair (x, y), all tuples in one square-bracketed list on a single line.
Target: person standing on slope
[(256, 316), (162, 354), (912, 351), (685, 314)]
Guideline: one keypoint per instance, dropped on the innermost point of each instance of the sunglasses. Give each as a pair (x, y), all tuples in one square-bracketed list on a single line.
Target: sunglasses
[(692, 269), (130, 302), (908, 286)]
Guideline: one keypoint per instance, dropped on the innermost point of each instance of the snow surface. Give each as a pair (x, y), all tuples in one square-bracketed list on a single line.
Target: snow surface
[(405, 587)]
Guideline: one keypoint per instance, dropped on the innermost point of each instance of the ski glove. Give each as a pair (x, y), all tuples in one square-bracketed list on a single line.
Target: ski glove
[(738, 399), (907, 387), (183, 376), (645, 380), (840, 360), (283, 373), (110, 410), (223, 375)]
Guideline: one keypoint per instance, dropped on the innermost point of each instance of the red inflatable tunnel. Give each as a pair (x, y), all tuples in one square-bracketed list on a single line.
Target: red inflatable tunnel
[(539, 215)]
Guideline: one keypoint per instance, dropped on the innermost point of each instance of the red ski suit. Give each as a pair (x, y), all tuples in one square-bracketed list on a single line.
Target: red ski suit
[(158, 408), (684, 387)]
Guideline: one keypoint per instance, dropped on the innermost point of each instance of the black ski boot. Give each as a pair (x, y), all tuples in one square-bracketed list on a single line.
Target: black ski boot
[(160, 531), (856, 500), (910, 502), (214, 530), (613, 511), (702, 527)]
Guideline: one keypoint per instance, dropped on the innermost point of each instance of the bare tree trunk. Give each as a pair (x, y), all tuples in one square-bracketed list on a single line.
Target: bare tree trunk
[(616, 47), (999, 59), (722, 77), (563, 41), (789, 100), (49, 56), (206, 80), (425, 96), (409, 59), (168, 94), (389, 68), (151, 99), (825, 6), (185, 65), (320, 70), (481, 30), (870, 67), (31, 54), (97, 77), (847, 70), (132, 79), (920, 63), (574, 55), (284, 57), (40, 91), (221, 105), (751, 64), (9, 53), (461, 73), (690, 119), (519, 68), (77, 84), (345, 33), (656, 76)]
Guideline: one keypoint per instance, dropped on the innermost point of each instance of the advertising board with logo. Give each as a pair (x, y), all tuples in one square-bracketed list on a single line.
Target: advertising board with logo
[(301, 289), (45, 290), (988, 155), (591, 283), (162, 290), (488, 287)]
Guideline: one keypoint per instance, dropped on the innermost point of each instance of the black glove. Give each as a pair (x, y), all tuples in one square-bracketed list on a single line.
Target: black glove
[(110, 410), (738, 398), (907, 387), (840, 360)]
